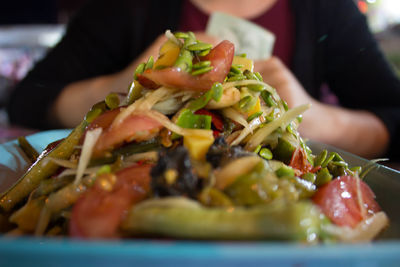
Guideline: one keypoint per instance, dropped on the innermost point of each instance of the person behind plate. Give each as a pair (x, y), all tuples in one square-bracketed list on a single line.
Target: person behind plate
[(318, 42)]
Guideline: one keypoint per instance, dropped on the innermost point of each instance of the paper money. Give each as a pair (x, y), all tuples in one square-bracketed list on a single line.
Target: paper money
[(249, 38)]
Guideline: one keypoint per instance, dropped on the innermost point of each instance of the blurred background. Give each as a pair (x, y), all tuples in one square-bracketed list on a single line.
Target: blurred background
[(29, 28)]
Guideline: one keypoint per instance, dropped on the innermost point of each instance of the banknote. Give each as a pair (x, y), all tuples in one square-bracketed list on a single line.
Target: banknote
[(249, 38)]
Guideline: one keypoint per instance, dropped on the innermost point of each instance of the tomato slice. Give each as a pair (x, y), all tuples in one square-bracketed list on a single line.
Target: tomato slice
[(221, 57), (104, 120), (98, 212), (138, 127), (346, 200)]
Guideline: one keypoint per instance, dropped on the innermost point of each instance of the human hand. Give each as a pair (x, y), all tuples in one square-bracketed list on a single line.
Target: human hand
[(356, 131), (276, 74)]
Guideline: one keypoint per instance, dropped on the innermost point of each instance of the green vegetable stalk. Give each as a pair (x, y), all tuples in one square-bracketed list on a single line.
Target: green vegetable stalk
[(182, 218), (40, 170)]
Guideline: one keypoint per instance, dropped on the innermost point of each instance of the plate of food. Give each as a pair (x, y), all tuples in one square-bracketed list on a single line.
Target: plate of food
[(199, 163)]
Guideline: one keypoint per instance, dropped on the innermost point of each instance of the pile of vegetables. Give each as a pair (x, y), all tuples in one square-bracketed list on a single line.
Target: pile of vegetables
[(199, 148)]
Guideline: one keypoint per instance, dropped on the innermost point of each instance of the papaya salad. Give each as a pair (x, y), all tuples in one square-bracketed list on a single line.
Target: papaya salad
[(198, 148)]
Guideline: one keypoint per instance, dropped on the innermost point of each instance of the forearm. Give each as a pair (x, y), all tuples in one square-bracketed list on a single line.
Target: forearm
[(359, 132), (77, 98)]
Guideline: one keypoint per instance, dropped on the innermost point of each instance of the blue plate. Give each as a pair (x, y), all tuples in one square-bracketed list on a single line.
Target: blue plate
[(29, 251)]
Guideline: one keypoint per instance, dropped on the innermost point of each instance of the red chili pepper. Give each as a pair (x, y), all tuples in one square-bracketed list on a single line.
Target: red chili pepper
[(215, 118)]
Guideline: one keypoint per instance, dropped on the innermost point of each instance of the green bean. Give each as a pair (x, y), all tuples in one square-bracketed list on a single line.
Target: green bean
[(41, 170), (323, 176), (340, 163), (28, 149), (327, 160), (93, 114), (184, 60), (135, 92), (100, 105), (267, 97), (181, 35), (190, 40), (244, 101), (285, 105), (336, 170), (258, 75), (149, 63), (250, 75), (203, 53), (202, 70), (256, 87), (265, 153), (95, 111), (217, 91), (320, 158), (112, 100), (258, 148), (235, 70), (139, 69), (284, 171), (254, 115), (289, 129), (337, 157), (236, 77), (200, 46), (201, 64)]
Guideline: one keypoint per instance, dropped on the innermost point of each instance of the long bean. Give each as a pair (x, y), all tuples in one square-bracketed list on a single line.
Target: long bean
[(299, 221), (40, 170), (28, 149)]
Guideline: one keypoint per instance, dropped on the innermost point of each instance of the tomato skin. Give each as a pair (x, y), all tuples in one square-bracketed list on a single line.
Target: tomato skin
[(136, 127), (339, 201), (98, 212), (221, 57), (104, 120)]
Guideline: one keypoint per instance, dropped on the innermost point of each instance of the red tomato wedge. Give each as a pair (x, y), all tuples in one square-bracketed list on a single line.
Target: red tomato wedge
[(98, 212), (221, 57), (104, 120), (346, 200), (136, 127)]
